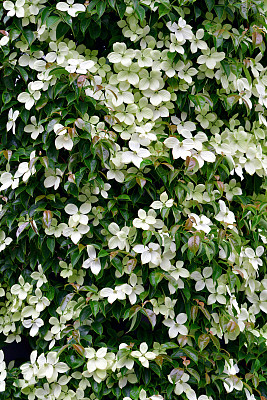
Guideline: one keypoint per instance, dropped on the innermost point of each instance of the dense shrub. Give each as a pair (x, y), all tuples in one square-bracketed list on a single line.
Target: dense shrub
[(133, 199)]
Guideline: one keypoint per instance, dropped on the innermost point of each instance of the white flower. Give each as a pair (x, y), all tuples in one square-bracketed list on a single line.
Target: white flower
[(184, 128), (26, 169), (53, 178), (259, 302), (80, 66), (92, 262), (21, 289), (150, 253), (164, 202), (34, 128), (121, 54), (134, 288), (178, 271), (233, 382), (120, 237), (135, 156), (143, 355), (7, 180), (114, 294), (128, 377), (50, 367), (181, 386), (123, 357), (4, 40), (232, 189), (202, 281), (39, 301), (96, 359), (181, 30), (178, 326), (14, 9), (225, 215), (197, 43), (200, 223), (4, 241), (63, 139), (29, 98), (217, 295), (12, 116), (39, 276), (34, 324), (145, 220), (179, 149), (210, 58), (71, 8)]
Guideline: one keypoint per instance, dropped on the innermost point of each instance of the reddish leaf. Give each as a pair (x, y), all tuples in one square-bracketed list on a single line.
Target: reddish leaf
[(176, 374), (257, 39), (79, 348), (7, 154), (34, 226), (150, 315), (141, 181), (194, 312), (21, 228), (47, 218), (194, 243), (131, 264), (203, 341)]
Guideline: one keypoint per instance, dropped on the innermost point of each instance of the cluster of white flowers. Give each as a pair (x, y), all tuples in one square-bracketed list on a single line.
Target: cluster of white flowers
[(22, 304)]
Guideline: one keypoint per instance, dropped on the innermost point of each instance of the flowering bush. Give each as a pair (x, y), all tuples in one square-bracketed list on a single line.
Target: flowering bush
[(133, 205)]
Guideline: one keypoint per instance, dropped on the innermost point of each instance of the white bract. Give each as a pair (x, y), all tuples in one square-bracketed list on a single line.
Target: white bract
[(143, 355), (92, 262), (70, 7), (176, 326), (11, 124)]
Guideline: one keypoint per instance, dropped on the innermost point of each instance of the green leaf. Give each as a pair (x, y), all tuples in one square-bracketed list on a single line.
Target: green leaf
[(73, 361), (215, 341), (100, 8), (140, 12), (75, 256), (29, 36), (23, 73), (163, 10), (210, 4), (219, 11), (121, 9), (52, 20), (62, 29), (112, 3), (194, 373), (85, 313), (116, 261), (97, 327), (194, 312), (44, 14), (155, 278), (226, 67), (94, 307), (51, 244), (191, 353), (244, 8)]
